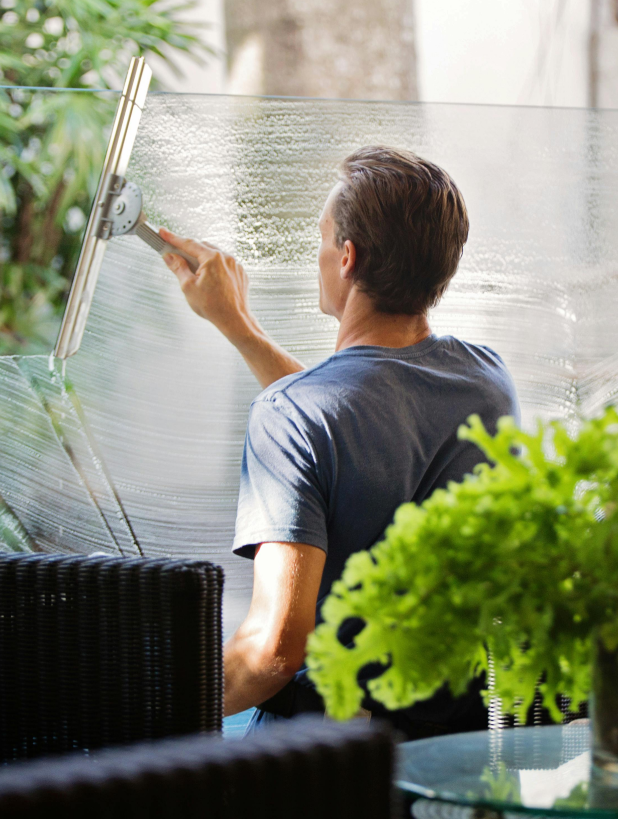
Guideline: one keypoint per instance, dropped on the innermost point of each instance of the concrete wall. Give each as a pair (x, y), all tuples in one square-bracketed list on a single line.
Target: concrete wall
[(509, 52), (350, 49)]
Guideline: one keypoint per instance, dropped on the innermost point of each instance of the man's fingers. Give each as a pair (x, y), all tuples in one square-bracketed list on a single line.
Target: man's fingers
[(190, 246), (179, 266)]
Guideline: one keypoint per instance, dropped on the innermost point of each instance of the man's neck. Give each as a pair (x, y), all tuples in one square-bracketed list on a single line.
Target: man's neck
[(362, 324)]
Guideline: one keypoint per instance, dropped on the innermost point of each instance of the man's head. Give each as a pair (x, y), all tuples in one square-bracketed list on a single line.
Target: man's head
[(394, 226)]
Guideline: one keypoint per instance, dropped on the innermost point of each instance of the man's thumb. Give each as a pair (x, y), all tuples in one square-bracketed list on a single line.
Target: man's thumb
[(178, 265), (189, 246)]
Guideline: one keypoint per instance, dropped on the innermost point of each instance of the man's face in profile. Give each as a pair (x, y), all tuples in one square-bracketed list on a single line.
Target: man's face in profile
[(333, 289)]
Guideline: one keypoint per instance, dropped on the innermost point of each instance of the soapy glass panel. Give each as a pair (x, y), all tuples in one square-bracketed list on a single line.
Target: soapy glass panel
[(166, 397)]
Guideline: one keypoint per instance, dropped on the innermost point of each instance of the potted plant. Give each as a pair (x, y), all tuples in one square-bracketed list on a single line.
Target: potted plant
[(517, 563)]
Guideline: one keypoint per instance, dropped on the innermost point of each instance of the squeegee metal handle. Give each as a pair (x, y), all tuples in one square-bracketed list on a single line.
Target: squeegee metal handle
[(151, 237)]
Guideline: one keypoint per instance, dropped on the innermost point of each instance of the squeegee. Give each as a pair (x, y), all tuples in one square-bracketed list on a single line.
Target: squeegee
[(117, 210)]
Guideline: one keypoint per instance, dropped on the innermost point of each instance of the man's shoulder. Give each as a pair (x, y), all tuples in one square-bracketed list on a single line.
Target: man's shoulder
[(480, 360), (297, 384), (487, 374), (354, 373)]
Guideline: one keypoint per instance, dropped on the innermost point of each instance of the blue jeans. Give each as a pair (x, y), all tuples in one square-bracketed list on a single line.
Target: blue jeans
[(262, 720)]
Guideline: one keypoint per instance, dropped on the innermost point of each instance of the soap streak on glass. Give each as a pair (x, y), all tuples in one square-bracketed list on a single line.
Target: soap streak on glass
[(56, 416), (71, 400)]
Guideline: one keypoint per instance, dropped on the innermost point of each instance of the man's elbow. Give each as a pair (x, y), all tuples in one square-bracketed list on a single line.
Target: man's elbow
[(282, 660)]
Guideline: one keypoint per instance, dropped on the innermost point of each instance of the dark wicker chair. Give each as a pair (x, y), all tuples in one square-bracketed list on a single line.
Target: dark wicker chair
[(307, 767), (98, 651)]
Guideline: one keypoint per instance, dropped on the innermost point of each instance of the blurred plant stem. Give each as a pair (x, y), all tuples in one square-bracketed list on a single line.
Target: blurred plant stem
[(52, 143)]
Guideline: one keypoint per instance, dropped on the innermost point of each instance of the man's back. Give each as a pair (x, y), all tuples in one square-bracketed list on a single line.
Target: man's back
[(333, 451)]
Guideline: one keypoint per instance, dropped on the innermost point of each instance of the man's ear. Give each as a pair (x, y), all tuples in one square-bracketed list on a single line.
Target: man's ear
[(348, 260)]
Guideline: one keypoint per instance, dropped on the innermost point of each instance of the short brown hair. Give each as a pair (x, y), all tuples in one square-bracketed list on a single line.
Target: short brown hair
[(408, 222)]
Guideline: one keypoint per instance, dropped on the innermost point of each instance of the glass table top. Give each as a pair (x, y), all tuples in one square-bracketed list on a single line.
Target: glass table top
[(531, 771)]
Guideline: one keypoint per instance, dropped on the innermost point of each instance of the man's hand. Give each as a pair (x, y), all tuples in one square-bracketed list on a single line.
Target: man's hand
[(218, 291)]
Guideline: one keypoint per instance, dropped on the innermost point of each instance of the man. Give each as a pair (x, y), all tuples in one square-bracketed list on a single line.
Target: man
[(332, 451)]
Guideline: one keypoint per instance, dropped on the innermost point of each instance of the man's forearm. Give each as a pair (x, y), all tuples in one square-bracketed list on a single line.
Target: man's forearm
[(267, 360), (218, 291), (250, 678), (268, 648)]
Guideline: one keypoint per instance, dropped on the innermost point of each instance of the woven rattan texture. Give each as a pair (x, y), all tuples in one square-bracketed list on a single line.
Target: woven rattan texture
[(305, 768), (101, 651)]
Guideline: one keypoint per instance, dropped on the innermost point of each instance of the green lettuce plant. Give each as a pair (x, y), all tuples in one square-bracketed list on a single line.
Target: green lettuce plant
[(52, 144), (515, 568)]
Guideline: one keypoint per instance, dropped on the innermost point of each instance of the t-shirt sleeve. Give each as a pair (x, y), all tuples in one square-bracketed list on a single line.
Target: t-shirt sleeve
[(280, 495)]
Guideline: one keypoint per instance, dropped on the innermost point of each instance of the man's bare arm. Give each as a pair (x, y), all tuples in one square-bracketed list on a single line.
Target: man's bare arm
[(269, 646), (218, 291)]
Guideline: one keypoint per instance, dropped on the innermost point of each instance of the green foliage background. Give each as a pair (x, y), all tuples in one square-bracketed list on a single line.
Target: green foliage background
[(52, 144), (518, 563)]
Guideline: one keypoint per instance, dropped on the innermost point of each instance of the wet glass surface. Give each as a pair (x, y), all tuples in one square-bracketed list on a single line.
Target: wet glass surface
[(165, 397)]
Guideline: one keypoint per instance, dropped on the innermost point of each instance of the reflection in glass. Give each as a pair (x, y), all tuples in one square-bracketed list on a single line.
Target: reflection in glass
[(542, 771)]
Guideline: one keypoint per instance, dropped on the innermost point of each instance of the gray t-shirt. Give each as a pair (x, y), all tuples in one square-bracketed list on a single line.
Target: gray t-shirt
[(331, 452)]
